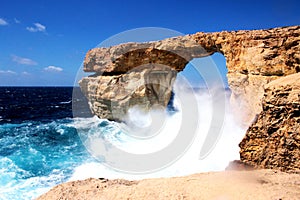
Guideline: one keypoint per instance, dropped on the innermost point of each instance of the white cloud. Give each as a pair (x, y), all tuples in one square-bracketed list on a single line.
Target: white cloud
[(53, 69), (17, 21), (9, 72), (3, 22), (23, 61), (37, 28)]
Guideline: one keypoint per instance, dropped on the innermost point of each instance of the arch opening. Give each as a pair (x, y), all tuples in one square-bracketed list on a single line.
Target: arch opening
[(218, 144), (196, 79)]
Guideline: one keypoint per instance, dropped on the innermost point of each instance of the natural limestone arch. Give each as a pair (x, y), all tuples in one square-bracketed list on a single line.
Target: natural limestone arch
[(253, 59)]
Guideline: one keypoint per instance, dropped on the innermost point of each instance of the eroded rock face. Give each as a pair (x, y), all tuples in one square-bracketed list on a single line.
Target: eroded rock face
[(110, 97), (253, 59), (273, 140)]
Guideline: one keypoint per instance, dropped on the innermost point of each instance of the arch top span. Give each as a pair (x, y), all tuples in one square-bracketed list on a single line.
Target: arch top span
[(254, 52)]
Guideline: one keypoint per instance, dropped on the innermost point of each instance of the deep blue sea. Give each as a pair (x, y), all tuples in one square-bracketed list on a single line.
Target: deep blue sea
[(39, 145)]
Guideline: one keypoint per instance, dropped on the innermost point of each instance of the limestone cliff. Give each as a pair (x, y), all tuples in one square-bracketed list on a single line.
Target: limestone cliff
[(273, 140), (253, 58)]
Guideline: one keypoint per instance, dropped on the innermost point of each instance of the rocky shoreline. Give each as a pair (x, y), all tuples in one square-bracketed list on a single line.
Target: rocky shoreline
[(263, 74)]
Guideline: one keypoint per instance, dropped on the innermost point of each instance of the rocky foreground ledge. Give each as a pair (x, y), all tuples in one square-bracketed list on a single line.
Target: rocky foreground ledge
[(229, 185)]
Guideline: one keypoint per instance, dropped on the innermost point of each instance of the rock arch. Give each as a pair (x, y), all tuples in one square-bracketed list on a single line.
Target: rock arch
[(253, 59)]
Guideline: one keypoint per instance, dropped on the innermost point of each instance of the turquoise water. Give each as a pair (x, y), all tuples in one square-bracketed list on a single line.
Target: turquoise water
[(36, 156), (39, 145)]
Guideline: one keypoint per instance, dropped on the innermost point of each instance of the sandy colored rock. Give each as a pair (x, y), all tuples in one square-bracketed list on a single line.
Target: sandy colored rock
[(148, 86), (273, 140), (233, 185)]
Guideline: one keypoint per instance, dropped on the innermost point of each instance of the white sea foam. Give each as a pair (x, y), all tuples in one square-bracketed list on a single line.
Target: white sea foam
[(225, 150), (30, 187), (65, 102), (30, 170)]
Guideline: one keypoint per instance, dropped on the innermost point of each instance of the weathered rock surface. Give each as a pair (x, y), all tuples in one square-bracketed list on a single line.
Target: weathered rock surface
[(233, 185), (146, 86), (253, 58), (173, 52), (273, 140)]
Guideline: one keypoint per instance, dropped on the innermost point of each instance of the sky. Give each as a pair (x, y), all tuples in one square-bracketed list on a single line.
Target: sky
[(43, 43)]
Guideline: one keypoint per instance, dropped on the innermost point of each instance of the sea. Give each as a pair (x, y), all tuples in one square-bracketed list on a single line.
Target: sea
[(40, 145)]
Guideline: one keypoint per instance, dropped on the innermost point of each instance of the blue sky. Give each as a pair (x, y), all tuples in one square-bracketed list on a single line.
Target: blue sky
[(44, 42)]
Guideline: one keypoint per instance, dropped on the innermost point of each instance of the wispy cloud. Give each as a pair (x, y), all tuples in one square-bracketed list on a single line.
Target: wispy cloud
[(53, 69), (8, 72), (25, 73), (36, 28), (3, 22), (17, 21), (23, 61)]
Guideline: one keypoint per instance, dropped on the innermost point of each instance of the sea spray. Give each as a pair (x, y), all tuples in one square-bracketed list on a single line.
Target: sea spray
[(112, 133)]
